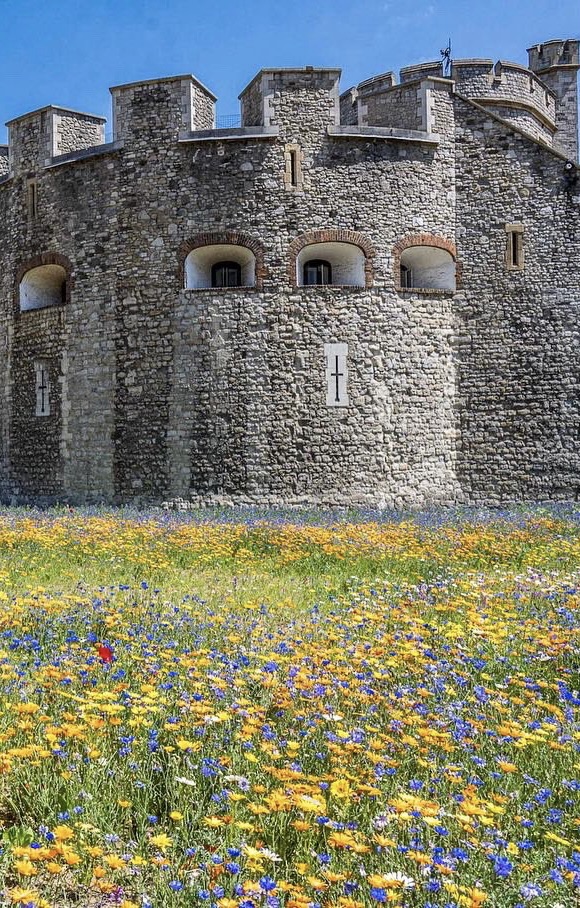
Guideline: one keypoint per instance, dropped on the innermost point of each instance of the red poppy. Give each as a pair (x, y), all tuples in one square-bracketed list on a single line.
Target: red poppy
[(105, 652)]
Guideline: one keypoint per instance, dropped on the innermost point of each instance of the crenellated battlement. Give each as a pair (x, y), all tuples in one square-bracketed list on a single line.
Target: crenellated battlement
[(540, 101), (557, 63), (555, 53)]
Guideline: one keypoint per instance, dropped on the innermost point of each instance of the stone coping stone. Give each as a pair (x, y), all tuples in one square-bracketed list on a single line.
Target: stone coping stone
[(235, 133), (91, 152), (387, 133)]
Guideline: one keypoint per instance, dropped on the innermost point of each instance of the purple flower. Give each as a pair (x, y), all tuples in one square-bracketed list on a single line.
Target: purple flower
[(530, 891)]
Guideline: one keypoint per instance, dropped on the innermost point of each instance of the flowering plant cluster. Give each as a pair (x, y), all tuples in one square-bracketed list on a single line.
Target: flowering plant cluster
[(230, 718)]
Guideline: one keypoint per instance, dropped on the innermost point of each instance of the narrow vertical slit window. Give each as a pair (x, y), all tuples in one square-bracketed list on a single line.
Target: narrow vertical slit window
[(515, 251), (515, 247), (32, 198), (42, 388), (336, 375), (293, 168)]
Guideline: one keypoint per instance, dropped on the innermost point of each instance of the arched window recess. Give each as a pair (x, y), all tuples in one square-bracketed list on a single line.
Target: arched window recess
[(425, 263), (222, 260), (42, 286), (331, 257)]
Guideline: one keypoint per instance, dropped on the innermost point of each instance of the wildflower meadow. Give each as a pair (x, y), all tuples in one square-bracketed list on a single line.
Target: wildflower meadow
[(261, 709)]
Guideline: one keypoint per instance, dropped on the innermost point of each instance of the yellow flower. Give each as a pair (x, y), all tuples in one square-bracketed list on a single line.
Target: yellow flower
[(114, 861), (25, 868), (53, 867), (161, 841), (26, 708), (552, 837), (507, 767), (62, 833), (71, 857), (176, 815), (317, 884), (183, 744), (341, 840), (124, 804), (21, 896), (341, 789)]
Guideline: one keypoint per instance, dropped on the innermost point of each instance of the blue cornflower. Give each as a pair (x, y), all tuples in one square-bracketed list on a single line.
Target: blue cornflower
[(267, 883), (501, 865), (379, 895)]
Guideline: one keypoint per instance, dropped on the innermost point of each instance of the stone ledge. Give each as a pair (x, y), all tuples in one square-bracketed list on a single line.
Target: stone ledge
[(425, 291), (218, 290), (82, 153), (386, 133), (235, 134), (502, 101), (320, 287)]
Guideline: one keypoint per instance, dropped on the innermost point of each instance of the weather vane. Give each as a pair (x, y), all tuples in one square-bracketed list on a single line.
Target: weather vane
[(446, 59)]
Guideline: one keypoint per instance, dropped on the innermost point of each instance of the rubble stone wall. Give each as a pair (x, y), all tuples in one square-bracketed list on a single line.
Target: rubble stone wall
[(159, 391)]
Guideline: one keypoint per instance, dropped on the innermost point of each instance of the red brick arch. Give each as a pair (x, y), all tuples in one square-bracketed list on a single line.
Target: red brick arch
[(424, 239), (44, 258), (224, 238), (332, 235)]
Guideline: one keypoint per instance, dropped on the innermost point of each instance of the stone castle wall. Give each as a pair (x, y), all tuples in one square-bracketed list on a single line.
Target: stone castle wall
[(161, 391)]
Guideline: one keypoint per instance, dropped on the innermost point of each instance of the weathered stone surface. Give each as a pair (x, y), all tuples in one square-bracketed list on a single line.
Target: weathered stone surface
[(161, 392)]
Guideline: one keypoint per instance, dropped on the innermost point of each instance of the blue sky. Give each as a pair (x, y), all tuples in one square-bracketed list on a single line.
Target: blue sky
[(70, 51)]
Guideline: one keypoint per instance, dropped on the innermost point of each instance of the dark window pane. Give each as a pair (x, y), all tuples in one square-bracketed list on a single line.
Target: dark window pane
[(318, 272), (226, 274)]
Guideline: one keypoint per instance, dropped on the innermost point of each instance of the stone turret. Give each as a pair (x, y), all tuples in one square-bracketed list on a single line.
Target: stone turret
[(37, 137), (285, 97), (161, 109), (557, 63)]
